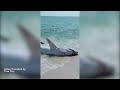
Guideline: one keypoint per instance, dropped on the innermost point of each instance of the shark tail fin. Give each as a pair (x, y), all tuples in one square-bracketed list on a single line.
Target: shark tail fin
[(32, 42), (51, 44)]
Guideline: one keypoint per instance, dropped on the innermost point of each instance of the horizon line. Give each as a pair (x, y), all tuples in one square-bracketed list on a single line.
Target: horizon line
[(60, 16)]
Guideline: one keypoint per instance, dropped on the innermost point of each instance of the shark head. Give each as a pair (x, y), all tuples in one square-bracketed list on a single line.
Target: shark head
[(74, 53)]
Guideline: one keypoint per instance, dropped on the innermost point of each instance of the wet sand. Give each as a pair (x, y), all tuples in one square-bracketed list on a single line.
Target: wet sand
[(69, 70)]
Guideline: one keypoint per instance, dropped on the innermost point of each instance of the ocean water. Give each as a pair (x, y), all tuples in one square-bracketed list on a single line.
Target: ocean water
[(99, 36), (64, 32), (60, 28)]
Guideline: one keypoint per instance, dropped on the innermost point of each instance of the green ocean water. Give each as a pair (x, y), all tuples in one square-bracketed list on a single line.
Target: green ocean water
[(60, 27)]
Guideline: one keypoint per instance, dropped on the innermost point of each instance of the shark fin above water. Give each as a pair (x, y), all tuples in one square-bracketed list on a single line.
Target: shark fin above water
[(51, 44), (32, 42)]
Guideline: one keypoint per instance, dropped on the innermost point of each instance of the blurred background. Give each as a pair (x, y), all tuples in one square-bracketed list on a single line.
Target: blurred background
[(99, 36), (9, 19)]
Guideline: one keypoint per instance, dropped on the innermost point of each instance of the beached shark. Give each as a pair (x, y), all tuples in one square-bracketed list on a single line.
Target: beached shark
[(26, 63), (53, 50), (93, 68)]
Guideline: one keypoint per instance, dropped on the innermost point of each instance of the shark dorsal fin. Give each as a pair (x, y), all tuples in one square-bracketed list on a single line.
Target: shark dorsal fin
[(32, 42), (51, 44)]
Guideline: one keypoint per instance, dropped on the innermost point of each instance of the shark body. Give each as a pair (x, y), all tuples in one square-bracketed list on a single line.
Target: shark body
[(53, 50)]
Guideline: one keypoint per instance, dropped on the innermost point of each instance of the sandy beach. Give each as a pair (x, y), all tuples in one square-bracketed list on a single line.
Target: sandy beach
[(70, 70)]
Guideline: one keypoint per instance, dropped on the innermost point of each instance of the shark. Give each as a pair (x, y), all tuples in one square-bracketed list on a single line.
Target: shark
[(53, 50)]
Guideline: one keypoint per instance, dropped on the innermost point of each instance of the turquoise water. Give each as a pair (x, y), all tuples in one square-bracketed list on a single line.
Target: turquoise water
[(60, 28), (98, 18)]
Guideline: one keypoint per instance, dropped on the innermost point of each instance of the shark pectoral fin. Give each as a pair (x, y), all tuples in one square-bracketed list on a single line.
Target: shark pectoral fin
[(51, 44), (32, 42)]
